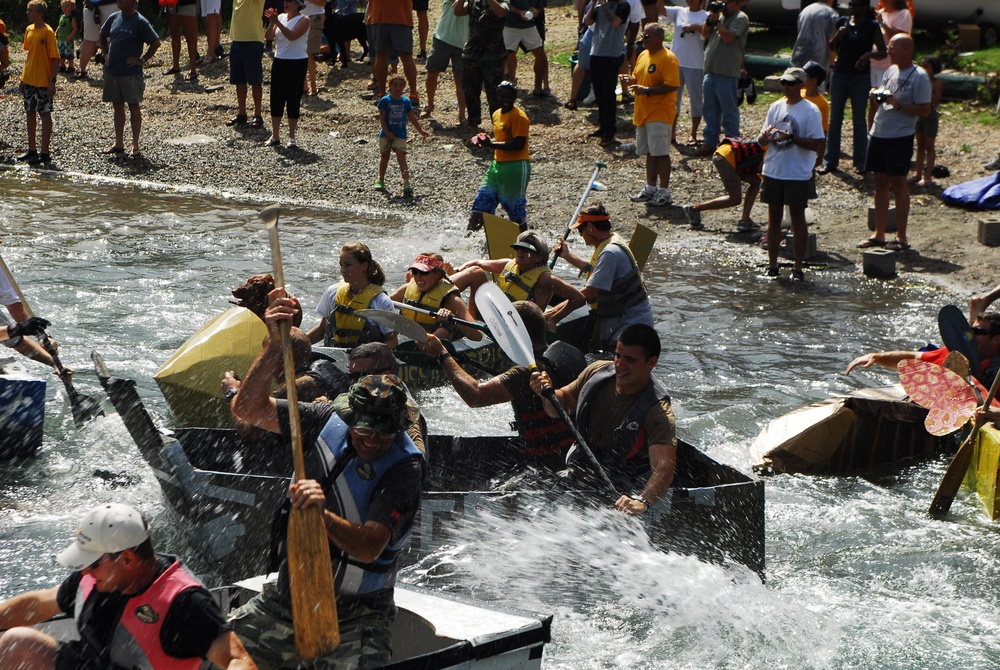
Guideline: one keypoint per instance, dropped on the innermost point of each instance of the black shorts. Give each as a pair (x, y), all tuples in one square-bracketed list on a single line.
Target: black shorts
[(76, 655), (782, 192), (890, 156), (421, 5)]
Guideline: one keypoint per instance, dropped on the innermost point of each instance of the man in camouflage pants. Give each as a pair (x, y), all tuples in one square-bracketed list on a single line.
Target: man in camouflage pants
[(483, 56), (366, 475)]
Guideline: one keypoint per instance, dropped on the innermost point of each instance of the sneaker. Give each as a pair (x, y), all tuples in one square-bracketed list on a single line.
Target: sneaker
[(42, 159), (291, 143), (407, 191), (993, 164), (747, 226), (693, 217), (662, 198), (645, 195), (272, 142), (29, 155), (380, 185)]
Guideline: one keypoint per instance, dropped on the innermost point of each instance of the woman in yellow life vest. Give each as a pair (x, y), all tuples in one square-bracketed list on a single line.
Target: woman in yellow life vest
[(428, 288), (361, 288), (524, 277)]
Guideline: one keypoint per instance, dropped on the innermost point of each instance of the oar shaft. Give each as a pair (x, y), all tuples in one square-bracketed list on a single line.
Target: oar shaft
[(550, 395), (579, 208), (453, 318)]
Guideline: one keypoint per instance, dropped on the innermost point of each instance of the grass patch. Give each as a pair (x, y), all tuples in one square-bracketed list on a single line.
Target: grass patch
[(985, 60)]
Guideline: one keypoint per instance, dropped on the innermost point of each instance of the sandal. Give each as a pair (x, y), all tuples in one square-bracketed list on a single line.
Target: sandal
[(896, 245), (173, 70), (111, 151), (571, 104), (871, 242), (798, 275), (238, 120), (257, 122)]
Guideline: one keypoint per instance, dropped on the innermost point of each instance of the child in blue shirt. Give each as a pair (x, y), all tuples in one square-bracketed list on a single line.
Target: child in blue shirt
[(393, 112)]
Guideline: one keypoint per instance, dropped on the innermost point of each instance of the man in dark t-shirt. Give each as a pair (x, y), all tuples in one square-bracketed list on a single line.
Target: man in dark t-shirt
[(120, 590)]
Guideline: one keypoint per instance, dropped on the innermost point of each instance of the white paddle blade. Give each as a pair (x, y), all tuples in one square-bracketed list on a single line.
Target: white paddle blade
[(397, 322), (269, 215), (505, 324)]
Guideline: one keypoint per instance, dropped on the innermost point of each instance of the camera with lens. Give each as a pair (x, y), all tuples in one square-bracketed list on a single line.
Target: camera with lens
[(716, 6), (881, 95)]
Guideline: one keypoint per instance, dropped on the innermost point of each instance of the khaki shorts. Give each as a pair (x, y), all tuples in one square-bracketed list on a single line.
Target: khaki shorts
[(515, 37), (183, 10), (128, 90), (92, 27), (653, 139), (730, 179), (397, 144), (315, 33)]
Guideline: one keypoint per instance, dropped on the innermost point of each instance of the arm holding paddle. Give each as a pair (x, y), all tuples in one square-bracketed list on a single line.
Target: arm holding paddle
[(29, 348), (469, 389), (561, 250), (365, 542)]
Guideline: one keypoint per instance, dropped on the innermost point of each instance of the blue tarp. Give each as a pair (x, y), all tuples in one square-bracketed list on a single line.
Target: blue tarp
[(983, 193)]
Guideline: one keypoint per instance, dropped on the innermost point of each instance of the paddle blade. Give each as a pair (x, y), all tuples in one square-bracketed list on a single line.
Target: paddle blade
[(948, 398), (314, 605), (506, 327), (398, 322)]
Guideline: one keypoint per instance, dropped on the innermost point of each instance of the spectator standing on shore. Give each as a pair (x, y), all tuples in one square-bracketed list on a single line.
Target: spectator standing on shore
[(815, 76), (246, 56), (816, 25), (393, 112), (483, 56), (520, 30), (449, 39), (853, 41), (893, 18), (793, 133), (4, 53), (654, 84), (288, 31), (421, 7), (582, 66), (315, 11), (123, 36), (93, 18), (506, 180), (392, 29), (38, 82), (903, 97), (182, 18), (610, 20), (927, 127), (689, 46), (726, 33), (211, 13), (66, 34)]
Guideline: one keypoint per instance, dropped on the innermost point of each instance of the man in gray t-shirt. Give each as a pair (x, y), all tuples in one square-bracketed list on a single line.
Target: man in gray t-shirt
[(816, 26), (904, 96), (726, 33)]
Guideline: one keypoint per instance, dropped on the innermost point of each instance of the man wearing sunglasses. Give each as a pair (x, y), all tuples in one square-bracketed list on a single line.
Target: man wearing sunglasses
[(726, 33), (985, 330), (366, 474), (133, 608)]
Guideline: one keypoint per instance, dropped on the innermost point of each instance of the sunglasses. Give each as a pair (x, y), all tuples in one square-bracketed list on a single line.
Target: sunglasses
[(419, 273), (982, 331), (647, 37), (368, 433), (791, 83)]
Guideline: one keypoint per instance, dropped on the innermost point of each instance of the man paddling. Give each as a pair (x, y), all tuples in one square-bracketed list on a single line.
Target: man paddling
[(546, 439), (624, 415), (366, 475), (133, 608), (985, 329)]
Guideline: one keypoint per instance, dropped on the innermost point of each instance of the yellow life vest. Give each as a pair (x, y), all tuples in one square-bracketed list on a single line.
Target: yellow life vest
[(431, 301), (520, 285), (344, 330), (625, 291)]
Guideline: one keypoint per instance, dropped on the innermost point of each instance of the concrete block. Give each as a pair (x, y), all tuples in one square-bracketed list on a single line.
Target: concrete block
[(890, 222), (771, 84), (989, 232), (968, 37), (788, 250), (879, 263)]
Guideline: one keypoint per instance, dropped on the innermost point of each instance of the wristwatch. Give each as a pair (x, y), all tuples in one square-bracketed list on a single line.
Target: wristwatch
[(231, 393), (640, 499)]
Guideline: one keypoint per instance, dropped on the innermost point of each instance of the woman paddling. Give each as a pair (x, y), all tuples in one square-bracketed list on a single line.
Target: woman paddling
[(429, 288), (361, 288)]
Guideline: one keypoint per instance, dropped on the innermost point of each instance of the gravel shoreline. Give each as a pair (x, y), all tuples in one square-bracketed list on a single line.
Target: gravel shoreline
[(335, 164)]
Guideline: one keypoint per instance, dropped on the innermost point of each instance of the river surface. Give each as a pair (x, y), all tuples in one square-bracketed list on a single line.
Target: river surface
[(858, 575)]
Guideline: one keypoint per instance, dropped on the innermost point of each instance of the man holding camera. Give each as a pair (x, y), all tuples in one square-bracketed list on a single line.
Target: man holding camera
[(904, 96), (726, 30)]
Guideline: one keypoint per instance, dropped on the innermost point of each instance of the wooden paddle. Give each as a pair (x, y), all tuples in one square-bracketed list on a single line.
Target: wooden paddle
[(314, 602), (579, 208), (510, 333), (84, 407), (955, 473), (453, 319)]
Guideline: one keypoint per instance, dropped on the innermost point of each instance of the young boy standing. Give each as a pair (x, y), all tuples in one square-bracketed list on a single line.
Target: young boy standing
[(38, 81), (66, 33), (393, 112)]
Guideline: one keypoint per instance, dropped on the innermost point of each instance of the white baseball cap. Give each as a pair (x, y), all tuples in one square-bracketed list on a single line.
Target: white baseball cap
[(107, 529)]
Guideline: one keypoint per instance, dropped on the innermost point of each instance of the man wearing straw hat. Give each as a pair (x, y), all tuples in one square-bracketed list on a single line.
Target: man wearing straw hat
[(366, 474)]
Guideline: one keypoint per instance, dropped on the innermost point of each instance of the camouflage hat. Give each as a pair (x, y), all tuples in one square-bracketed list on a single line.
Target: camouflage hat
[(375, 402)]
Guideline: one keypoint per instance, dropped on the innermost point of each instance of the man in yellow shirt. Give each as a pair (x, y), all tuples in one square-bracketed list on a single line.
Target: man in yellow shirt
[(506, 180), (38, 81), (654, 83)]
